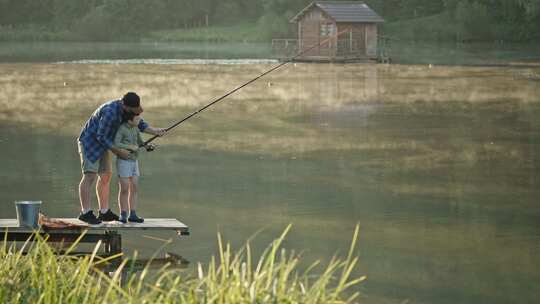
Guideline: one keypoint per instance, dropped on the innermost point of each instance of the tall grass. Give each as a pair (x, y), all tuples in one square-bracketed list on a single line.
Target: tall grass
[(42, 276)]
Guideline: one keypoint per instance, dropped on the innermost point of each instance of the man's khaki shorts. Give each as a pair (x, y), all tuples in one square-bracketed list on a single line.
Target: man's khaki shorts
[(102, 165)]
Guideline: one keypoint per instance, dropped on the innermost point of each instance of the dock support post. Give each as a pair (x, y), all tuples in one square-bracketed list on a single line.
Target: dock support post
[(113, 246)]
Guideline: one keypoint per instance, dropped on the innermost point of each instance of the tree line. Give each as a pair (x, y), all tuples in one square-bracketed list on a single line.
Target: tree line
[(482, 20), (517, 20)]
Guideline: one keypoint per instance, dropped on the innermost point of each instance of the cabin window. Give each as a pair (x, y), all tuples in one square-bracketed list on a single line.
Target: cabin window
[(328, 29)]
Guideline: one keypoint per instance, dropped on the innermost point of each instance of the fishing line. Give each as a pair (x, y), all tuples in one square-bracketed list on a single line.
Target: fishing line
[(243, 85)]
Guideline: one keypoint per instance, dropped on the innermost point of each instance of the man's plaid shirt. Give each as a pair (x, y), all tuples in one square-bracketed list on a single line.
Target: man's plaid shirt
[(97, 135)]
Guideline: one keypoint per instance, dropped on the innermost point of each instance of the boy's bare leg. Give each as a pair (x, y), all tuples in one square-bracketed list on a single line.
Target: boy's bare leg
[(102, 190), (133, 196), (123, 193), (84, 190)]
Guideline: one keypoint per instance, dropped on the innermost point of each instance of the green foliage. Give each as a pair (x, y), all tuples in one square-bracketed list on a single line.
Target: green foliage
[(41, 276), (473, 21), (419, 8), (26, 11), (468, 20), (96, 24), (273, 26), (67, 12), (450, 5), (441, 28), (228, 11)]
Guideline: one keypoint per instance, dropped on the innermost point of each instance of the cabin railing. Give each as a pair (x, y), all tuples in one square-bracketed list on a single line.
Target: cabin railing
[(342, 48), (383, 48)]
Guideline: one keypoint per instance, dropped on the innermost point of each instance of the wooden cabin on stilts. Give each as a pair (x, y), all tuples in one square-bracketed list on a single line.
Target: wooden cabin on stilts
[(320, 21)]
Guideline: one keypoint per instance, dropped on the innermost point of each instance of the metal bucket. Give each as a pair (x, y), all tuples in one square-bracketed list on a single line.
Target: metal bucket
[(28, 213)]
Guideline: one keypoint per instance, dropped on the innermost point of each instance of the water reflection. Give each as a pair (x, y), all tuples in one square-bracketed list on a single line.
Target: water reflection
[(438, 164)]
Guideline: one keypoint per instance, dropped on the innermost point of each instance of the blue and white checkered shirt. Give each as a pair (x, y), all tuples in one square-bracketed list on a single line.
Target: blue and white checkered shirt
[(97, 135)]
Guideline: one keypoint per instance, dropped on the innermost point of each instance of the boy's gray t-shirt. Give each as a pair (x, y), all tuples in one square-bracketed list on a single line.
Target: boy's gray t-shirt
[(128, 135)]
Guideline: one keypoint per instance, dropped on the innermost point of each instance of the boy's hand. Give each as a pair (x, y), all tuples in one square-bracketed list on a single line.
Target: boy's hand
[(133, 148)]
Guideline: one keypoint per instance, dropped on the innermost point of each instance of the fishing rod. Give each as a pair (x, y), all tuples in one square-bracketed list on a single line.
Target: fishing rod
[(241, 86)]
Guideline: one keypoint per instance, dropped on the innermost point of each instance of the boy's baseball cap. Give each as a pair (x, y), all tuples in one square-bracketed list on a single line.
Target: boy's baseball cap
[(133, 102)]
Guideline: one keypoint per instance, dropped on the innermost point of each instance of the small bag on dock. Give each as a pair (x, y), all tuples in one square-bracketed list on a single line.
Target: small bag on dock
[(53, 223)]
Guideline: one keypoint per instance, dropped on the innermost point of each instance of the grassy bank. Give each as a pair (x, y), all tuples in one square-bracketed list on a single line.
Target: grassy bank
[(35, 34), (226, 33), (41, 276), (245, 32)]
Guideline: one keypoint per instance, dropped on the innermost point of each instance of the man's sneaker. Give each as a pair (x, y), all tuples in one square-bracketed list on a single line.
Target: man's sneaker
[(108, 216), (135, 219), (89, 218)]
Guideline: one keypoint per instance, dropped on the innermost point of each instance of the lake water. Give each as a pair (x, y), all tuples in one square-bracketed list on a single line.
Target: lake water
[(438, 165)]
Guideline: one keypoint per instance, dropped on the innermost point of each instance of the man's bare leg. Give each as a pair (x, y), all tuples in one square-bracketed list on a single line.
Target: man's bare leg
[(102, 190), (84, 190)]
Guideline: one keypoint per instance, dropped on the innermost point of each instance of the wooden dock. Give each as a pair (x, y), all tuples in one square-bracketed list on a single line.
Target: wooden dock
[(107, 232)]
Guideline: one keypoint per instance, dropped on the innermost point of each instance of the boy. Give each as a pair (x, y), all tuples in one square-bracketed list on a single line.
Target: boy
[(128, 137)]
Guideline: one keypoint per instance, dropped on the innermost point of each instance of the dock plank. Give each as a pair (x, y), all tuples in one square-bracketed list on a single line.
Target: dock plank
[(149, 224)]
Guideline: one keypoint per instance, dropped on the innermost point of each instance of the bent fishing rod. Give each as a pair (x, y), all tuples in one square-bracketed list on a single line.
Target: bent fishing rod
[(218, 99)]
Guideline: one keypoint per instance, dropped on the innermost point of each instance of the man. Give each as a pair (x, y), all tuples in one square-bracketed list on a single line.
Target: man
[(96, 148)]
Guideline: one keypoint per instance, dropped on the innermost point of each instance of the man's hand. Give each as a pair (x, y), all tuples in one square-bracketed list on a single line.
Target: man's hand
[(161, 132), (156, 131), (122, 153)]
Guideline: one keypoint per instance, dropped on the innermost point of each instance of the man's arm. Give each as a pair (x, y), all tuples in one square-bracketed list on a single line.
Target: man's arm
[(105, 126), (144, 127)]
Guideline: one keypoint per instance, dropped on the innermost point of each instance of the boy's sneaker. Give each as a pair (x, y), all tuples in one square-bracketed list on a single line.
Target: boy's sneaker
[(89, 218), (123, 220), (135, 219), (108, 216)]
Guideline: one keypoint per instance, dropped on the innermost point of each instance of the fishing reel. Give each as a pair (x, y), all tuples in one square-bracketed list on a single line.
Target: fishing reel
[(150, 147)]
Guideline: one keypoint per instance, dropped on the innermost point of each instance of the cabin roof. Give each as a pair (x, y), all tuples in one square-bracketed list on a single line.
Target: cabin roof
[(343, 11)]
